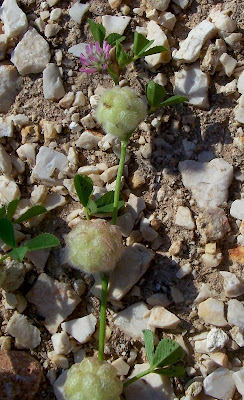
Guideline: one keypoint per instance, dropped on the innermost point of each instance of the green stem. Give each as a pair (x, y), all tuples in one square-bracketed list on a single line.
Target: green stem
[(102, 327), (87, 213), (118, 180), (4, 258), (139, 376)]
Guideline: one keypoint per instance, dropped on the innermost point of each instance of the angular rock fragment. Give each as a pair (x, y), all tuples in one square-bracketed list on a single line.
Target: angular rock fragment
[(235, 314), (20, 375), (77, 49), (160, 5), (14, 19), (204, 293), (238, 378), (3, 46), (208, 182), (87, 140), (193, 83), (216, 340), (237, 254), (212, 56), (233, 287), (26, 334), (32, 53), (237, 335), (82, 328), (222, 20), (162, 318), (133, 320), (9, 190), (228, 63), (184, 218), (219, 384), (213, 224), (53, 88), (5, 162), (12, 275), (190, 48), (54, 300), (114, 24), (78, 10), (167, 20), (61, 343), (114, 3), (240, 83), (9, 86), (239, 110), (50, 166), (237, 209), (212, 312), (154, 32)]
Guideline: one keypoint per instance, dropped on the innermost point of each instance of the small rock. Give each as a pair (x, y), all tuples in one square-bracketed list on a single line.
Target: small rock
[(182, 3), (51, 30), (192, 83), (54, 300), (126, 223), (32, 53), (240, 83), (237, 209), (9, 87), (204, 293), (67, 100), (212, 312), (239, 111), (219, 384), (162, 318), (216, 340), (58, 359), (235, 314), (53, 88), (221, 20), (59, 385), (78, 10), (160, 5), (55, 14), (220, 359), (229, 88), (38, 258), (149, 234), (237, 335), (82, 328), (133, 320), (12, 275), (184, 270), (184, 218), (213, 224), (208, 181), (233, 287), (61, 343), (79, 356), (237, 254), (167, 20), (190, 48), (228, 63), (8, 190), (20, 375), (158, 299), (14, 19), (175, 248), (154, 32), (26, 334), (5, 162), (238, 378), (114, 24), (212, 260), (87, 140), (121, 366), (135, 205), (3, 46), (88, 122)]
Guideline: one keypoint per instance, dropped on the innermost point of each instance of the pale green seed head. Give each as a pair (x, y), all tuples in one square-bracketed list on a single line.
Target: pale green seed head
[(120, 111), (93, 380), (94, 246)]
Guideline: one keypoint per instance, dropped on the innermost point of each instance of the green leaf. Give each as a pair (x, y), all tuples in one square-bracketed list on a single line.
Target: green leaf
[(84, 188), (174, 100), (167, 352), (113, 38), (174, 371), (12, 208), (153, 50), (155, 93), (114, 75), (18, 253), (149, 344), (92, 207), (2, 212), (7, 232), (32, 212), (43, 241), (105, 199), (98, 31), (141, 44), (122, 57), (109, 208)]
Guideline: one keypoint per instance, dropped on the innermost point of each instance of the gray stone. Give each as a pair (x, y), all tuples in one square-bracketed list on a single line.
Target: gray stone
[(213, 224), (219, 384), (237, 209), (14, 19), (53, 88), (27, 335), (235, 314), (9, 86)]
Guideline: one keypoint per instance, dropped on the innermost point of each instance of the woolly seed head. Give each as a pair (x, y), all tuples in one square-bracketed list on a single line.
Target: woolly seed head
[(120, 111)]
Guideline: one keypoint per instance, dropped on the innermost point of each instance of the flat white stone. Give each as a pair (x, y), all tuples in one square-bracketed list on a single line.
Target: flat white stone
[(212, 312), (126, 223), (237, 209), (54, 300), (229, 63), (9, 86), (133, 320), (208, 182), (121, 366), (233, 287), (184, 218), (81, 328), (216, 340), (160, 5), (14, 19), (204, 293), (53, 88), (61, 343), (235, 314), (78, 49), (9, 190), (32, 53), (5, 162), (222, 20), (219, 384), (238, 378), (48, 162), (192, 83), (237, 335), (78, 10), (135, 205), (38, 258), (240, 83), (155, 33), (87, 140), (167, 20), (190, 48), (114, 24), (26, 334), (152, 386), (162, 318), (6, 128)]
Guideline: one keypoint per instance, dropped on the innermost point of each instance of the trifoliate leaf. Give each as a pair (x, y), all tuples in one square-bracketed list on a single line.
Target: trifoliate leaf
[(12, 208), (7, 232), (18, 253), (149, 345), (141, 44), (32, 212), (92, 207), (105, 199), (43, 241), (155, 93), (153, 50), (84, 188), (167, 352), (174, 100), (98, 31), (122, 57), (113, 38)]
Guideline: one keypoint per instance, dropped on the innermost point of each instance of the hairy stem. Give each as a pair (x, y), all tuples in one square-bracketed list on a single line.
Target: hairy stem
[(118, 181), (139, 376), (102, 327)]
